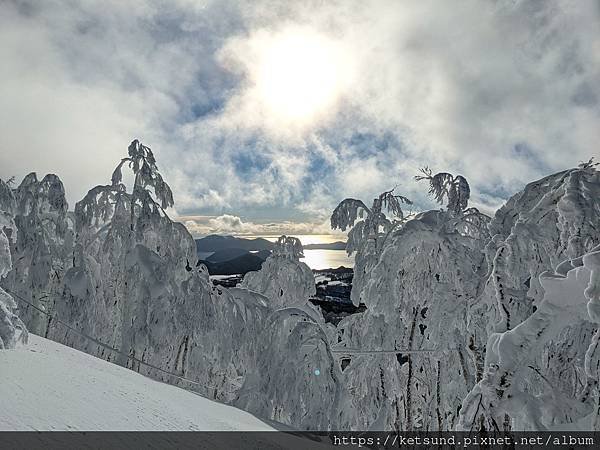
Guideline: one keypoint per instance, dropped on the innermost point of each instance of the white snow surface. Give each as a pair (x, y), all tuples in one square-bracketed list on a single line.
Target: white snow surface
[(48, 386)]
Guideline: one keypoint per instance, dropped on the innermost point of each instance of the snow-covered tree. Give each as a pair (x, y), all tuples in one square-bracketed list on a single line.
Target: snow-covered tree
[(367, 236), (12, 329), (147, 180), (417, 296), (296, 379), (283, 278), (508, 388), (42, 251), (135, 287), (551, 220), (456, 192), (442, 185)]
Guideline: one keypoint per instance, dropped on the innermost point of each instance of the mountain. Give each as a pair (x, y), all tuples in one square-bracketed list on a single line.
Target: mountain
[(227, 254), (214, 243), (338, 245), (245, 263)]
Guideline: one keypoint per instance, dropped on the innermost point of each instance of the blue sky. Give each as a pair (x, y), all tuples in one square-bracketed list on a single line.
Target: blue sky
[(502, 92)]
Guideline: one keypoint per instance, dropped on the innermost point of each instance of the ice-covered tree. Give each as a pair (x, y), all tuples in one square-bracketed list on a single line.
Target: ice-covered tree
[(283, 278), (417, 291), (368, 235), (454, 189), (12, 329), (514, 391), (417, 296), (135, 287), (147, 180), (43, 248), (122, 238), (551, 220), (295, 378), (455, 192), (375, 222)]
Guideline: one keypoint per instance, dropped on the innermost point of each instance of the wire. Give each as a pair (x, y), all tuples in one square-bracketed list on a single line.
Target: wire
[(108, 347), (369, 352)]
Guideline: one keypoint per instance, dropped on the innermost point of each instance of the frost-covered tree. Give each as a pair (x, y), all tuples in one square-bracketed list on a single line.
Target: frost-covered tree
[(367, 236), (283, 278), (147, 180), (571, 294), (417, 289), (288, 247), (455, 192), (42, 251), (375, 222), (549, 221), (295, 378), (443, 185), (12, 329), (134, 287), (417, 296)]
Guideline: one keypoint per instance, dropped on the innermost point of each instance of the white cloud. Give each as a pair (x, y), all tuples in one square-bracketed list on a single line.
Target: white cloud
[(227, 224), (293, 76), (500, 91)]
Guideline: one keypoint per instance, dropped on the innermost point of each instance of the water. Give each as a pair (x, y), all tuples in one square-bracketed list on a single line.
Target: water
[(327, 259), (318, 259)]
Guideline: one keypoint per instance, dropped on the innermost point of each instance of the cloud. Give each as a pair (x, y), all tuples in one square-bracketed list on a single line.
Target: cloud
[(294, 77), (233, 225), (502, 92)]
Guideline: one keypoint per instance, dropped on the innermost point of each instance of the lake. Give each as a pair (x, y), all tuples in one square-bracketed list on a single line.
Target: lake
[(327, 259), (318, 259)]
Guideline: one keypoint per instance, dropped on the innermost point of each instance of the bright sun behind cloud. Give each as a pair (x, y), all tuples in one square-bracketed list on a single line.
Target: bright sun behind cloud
[(295, 77), (301, 74)]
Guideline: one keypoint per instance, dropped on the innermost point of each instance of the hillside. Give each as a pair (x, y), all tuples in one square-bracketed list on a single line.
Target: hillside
[(48, 386), (248, 262), (338, 245), (214, 243)]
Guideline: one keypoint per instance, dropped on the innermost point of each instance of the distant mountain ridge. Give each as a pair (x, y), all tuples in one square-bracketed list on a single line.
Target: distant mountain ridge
[(248, 262), (338, 245), (227, 254), (215, 243), (230, 255)]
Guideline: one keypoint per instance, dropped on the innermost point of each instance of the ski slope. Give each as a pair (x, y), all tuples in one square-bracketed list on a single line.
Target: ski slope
[(48, 386)]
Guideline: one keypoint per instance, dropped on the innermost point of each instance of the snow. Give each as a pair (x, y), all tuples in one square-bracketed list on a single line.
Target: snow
[(510, 354), (459, 307), (48, 386), (540, 339), (12, 329)]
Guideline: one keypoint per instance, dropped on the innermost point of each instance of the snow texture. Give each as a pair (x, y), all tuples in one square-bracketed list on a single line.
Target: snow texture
[(49, 387), (296, 380), (552, 223), (417, 295), (367, 237), (12, 329)]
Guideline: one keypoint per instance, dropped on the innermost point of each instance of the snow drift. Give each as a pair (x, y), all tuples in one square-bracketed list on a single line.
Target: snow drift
[(47, 386)]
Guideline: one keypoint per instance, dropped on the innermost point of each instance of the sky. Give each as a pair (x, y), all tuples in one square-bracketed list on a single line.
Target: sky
[(264, 115)]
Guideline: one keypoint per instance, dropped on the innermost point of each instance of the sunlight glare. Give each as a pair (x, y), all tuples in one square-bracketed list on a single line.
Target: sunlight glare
[(301, 75)]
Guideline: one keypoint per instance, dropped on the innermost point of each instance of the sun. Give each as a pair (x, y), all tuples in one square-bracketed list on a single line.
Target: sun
[(301, 75)]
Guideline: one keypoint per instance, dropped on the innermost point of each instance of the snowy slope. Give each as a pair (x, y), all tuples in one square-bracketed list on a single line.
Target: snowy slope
[(48, 386)]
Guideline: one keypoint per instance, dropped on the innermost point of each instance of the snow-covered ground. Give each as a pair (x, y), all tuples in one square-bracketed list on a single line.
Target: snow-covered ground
[(48, 386)]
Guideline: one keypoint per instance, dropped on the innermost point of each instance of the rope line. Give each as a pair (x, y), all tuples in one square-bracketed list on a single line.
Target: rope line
[(54, 317), (369, 352)]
